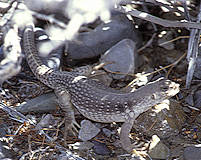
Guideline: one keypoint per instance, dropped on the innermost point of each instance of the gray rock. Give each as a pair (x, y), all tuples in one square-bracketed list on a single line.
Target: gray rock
[(88, 130), (123, 58), (92, 44), (44, 103), (197, 98), (186, 110), (46, 122), (157, 149), (101, 148), (197, 72), (167, 122), (5, 152), (189, 100), (107, 132), (3, 131), (192, 153), (48, 7)]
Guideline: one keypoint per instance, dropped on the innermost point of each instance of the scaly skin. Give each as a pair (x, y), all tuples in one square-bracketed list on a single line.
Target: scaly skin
[(93, 99)]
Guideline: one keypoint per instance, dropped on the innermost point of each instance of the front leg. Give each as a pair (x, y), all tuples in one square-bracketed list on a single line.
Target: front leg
[(124, 135), (66, 105)]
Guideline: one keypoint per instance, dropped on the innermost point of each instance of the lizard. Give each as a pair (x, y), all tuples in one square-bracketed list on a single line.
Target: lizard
[(93, 99)]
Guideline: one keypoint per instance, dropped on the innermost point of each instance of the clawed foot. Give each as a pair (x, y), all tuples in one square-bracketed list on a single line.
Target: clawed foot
[(71, 126), (64, 102)]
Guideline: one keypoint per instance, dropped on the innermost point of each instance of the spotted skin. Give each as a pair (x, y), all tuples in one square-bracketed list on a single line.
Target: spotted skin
[(93, 99)]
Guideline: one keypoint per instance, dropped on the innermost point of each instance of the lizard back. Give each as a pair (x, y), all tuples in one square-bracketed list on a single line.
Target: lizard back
[(93, 99)]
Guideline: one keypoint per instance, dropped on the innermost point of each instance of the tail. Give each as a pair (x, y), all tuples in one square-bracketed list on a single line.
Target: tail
[(41, 71)]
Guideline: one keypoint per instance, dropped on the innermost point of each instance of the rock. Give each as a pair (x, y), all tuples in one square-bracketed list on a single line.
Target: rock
[(101, 148), (189, 100), (107, 132), (164, 121), (88, 130), (46, 122), (192, 153), (48, 7), (186, 110), (104, 36), (197, 72), (122, 58), (5, 151), (65, 155), (197, 98), (87, 44), (175, 116), (44, 103), (3, 131), (157, 149)]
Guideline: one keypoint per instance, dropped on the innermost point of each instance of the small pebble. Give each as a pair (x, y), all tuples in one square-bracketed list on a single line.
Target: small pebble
[(107, 132), (88, 130), (46, 121), (101, 148), (157, 149)]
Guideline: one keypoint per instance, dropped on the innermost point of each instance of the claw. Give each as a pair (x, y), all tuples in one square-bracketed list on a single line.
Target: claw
[(75, 123), (64, 102), (70, 125)]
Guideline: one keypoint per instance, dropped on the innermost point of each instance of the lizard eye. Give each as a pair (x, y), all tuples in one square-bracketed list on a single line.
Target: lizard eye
[(167, 82), (164, 88)]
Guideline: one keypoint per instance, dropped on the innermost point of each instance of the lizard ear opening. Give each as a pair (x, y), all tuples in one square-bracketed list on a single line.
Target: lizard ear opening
[(153, 96)]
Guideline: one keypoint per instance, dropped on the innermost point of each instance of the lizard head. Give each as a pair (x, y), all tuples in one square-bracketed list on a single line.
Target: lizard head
[(168, 88), (154, 93)]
